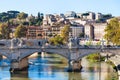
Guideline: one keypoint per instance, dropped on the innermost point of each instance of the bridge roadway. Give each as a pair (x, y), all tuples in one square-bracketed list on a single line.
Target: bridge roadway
[(76, 53)]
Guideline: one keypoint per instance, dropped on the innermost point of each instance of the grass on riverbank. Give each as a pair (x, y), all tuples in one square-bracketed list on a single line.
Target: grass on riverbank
[(95, 57)]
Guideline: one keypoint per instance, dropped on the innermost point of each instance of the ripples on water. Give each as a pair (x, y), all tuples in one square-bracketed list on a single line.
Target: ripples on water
[(54, 67)]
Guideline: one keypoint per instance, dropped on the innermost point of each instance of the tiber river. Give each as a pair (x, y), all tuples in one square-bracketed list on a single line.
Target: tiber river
[(54, 67)]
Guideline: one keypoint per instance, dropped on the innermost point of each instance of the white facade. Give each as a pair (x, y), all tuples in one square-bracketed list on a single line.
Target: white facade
[(49, 19), (83, 22), (70, 14), (91, 16), (98, 16)]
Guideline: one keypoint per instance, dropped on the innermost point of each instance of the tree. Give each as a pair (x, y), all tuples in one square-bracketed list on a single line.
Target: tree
[(13, 14), (20, 31), (22, 15), (39, 19), (31, 20), (81, 35), (113, 32), (5, 30), (65, 33), (57, 40), (38, 15)]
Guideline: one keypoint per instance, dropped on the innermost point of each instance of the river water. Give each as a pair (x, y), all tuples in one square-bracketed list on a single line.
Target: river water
[(54, 67)]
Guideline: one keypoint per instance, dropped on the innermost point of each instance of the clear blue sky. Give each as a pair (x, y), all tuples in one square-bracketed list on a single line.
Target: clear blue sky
[(61, 6)]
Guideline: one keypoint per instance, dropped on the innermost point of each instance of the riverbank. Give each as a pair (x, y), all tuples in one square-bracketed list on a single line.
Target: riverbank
[(95, 57), (116, 61)]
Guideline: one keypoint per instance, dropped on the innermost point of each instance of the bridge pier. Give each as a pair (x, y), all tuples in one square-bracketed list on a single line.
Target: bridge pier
[(17, 65), (1, 57), (74, 66)]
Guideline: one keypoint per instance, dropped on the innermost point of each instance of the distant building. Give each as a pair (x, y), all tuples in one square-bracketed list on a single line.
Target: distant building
[(55, 30), (83, 22), (88, 16), (70, 14), (91, 16), (49, 19), (76, 30), (35, 32), (98, 16), (89, 31), (95, 31), (79, 15)]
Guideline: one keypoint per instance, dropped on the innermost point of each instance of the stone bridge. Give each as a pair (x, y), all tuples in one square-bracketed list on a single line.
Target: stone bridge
[(17, 52)]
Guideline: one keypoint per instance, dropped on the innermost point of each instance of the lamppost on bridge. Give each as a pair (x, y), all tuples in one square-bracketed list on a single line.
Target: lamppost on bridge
[(69, 54), (102, 46)]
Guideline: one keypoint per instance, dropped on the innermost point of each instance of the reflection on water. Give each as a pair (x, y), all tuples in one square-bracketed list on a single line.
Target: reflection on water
[(20, 75), (54, 67)]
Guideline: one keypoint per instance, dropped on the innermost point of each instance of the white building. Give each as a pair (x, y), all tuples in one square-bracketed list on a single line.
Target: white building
[(91, 16), (88, 16), (49, 19), (83, 22), (98, 16), (70, 14)]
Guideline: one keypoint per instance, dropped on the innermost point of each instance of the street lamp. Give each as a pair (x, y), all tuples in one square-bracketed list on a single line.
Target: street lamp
[(102, 46)]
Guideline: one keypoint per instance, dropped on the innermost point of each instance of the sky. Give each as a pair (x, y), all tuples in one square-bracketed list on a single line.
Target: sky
[(61, 6)]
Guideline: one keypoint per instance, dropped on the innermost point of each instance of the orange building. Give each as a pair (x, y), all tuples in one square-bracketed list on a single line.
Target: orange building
[(35, 32)]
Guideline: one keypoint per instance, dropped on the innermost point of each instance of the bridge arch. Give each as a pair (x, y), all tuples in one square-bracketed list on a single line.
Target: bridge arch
[(34, 51), (84, 53), (80, 57)]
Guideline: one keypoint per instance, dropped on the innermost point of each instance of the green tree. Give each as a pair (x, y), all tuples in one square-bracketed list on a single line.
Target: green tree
[(57, 40), (38, 15), (113, 32), (39, 19), (20, 31), (65, 33), (5, 30), (81, 35), (31, 20), (22, 15)]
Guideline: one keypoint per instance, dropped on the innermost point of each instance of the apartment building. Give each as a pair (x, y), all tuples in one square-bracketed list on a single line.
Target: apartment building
[(89, 31), (70, 14), (95, 31), (35, 32), (98, 16), (49, 19), (76, 30)]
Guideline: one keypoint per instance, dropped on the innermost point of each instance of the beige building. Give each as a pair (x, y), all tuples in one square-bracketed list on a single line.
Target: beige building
[(89, 31), (95, 31)]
